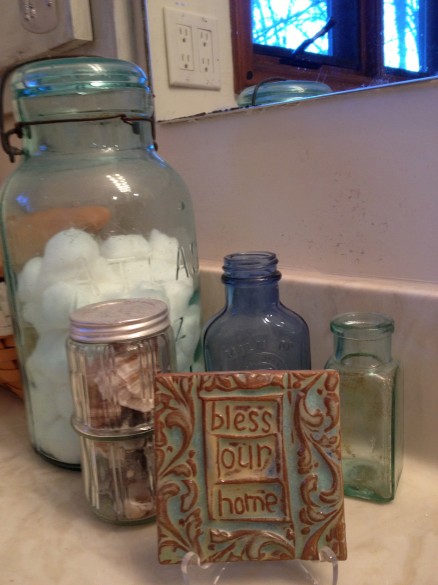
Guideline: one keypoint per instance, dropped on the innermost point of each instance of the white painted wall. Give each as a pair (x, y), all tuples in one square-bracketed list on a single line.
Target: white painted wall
[(342, 184), (174, 102)]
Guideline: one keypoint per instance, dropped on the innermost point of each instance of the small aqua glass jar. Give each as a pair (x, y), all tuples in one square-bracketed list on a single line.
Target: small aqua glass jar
[(92, 213), (255, 331), (371, 390)]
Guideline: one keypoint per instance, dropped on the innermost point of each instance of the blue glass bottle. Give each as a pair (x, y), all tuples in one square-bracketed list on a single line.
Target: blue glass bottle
[(255, 331)]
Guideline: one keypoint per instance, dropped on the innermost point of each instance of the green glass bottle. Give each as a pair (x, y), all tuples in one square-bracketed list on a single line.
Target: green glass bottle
[(371, 389)]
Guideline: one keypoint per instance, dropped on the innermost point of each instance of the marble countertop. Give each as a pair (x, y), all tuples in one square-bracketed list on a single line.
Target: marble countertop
[(48, 535)]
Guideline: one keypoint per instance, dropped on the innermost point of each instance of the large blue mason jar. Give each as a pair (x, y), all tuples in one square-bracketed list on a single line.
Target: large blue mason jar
[(92, 213), (254, 330)]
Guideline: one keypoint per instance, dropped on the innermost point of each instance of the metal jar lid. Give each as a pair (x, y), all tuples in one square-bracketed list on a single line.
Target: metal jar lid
[(119, 320)]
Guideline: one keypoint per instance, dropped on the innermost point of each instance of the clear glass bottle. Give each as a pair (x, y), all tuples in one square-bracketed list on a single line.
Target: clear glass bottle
[(92, 213), (371, 389), (115, 349), (255, 331)]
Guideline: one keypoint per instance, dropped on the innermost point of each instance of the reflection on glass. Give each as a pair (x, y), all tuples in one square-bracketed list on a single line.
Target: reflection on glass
[(120, 182), (288, 23), (284, 23), (402, 34)]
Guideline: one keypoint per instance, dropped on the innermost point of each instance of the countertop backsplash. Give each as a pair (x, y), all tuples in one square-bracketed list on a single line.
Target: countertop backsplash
[(414, 308)]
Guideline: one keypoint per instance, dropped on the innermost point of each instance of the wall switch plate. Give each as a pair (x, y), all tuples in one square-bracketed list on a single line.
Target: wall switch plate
[(192, 46), (30, 29)]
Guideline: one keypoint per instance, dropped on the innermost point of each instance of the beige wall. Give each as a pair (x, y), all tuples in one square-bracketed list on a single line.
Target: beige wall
[(342, 184)]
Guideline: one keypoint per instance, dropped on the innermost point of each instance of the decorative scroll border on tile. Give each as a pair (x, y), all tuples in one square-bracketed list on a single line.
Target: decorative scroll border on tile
[(249, 465)]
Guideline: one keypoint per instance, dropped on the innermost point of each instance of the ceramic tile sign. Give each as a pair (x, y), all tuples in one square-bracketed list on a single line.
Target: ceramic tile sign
[(248, 465)]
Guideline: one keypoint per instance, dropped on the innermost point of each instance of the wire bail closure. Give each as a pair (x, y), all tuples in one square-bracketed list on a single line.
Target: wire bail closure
[(13, 151)]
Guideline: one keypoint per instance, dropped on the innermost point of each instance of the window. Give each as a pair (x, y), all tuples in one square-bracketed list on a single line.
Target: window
[(344, 43)]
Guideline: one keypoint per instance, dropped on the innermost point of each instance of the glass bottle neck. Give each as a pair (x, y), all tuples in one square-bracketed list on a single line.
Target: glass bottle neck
[(252, 295), (92, 136), (362, 339), (251, 280), (363, 352)]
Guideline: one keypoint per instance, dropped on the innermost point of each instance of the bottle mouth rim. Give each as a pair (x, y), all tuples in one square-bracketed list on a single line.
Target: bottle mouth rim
[(253, 265), (362, 325), (76, 75), (79, 87)]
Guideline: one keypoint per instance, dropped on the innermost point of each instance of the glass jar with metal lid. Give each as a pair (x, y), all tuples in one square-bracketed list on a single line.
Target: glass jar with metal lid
[(114, 351), (92, 213)]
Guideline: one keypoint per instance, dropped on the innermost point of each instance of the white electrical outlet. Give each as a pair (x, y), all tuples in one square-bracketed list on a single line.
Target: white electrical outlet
[(205, 46), (185, 47), (192, 46)]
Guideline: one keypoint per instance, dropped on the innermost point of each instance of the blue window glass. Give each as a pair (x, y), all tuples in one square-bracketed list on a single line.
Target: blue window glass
[(403, 36), (286, 24)]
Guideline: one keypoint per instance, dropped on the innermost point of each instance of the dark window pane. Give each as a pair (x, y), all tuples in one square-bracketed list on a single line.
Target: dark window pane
[(287, 23), (281, 26)]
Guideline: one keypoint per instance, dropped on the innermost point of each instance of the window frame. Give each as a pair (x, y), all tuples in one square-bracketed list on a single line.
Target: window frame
[(251, 67)]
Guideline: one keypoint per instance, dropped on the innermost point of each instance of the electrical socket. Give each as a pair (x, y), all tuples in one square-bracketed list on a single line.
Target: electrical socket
[(205, 45), (192, 44), (185, 47)]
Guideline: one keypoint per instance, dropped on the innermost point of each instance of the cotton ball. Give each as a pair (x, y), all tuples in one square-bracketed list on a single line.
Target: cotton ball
[(61, 442), (28, 278), (125, 246), (130, 273), (164, 260), (57, 302), (86, 295), (100, 270), (164, 247), (179, 293), (187, 332), (135, 272), (184, 362), (111, 279), (68, 255), (198, 366), (50, 358), (112, 290), (44, 410), (100, 286), (64, 401), (163, 271), (149, 291), (31, 313)]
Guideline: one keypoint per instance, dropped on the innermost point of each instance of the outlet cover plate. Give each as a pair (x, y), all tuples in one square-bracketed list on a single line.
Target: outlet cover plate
[(191, 62)]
